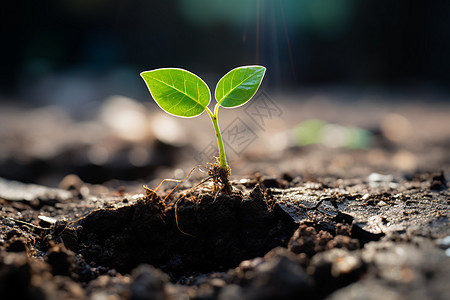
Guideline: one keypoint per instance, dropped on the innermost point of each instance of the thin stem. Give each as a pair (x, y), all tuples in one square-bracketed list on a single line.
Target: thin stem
[(222, 156)]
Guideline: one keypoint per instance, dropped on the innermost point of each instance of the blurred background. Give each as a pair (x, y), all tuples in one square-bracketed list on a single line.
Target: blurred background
[(72, 100)]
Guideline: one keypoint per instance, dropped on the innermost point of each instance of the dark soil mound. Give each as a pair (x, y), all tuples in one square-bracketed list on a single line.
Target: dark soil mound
[(210, 235)]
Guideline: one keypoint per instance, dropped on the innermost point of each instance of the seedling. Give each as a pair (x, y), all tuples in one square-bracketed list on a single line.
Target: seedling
[(183, 94)]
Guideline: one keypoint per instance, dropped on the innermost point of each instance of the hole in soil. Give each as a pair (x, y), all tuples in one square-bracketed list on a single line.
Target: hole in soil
[(222, 233)]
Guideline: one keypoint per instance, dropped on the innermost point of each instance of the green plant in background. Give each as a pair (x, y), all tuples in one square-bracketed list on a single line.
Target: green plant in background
[(183, 94)]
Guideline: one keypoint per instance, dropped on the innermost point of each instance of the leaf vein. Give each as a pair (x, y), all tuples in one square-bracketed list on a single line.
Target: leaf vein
[(176, 89), (240, 83)]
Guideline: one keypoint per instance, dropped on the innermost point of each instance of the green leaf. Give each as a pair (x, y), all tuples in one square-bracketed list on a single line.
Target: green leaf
[(177, 91), (239, 85)]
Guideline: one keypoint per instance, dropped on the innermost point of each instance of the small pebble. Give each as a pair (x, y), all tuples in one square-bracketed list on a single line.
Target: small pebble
[(444, 243)]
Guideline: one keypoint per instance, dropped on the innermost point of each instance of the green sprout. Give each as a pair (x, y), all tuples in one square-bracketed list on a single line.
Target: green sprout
[(183, 94)]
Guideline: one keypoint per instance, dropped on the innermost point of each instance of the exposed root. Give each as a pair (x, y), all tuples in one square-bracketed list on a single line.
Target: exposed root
[(220, 177)]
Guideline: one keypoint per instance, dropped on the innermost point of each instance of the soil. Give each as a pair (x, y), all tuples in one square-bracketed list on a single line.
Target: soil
[(200, 234), (328, 224)]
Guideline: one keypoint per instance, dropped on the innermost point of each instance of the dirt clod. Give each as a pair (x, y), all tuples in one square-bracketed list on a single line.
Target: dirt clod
[(211, 234)]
